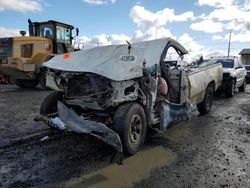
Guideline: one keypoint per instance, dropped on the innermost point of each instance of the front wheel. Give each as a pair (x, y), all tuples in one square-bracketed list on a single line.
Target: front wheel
[(130, 123), (230, 91), (205, 106), (49, 104), (242, 88)]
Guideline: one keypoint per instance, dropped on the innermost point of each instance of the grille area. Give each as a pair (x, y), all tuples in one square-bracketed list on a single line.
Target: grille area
[(226, 75), (88, 86)]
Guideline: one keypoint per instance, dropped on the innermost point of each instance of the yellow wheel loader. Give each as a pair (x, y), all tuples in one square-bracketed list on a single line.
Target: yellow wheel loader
[(22, 57)]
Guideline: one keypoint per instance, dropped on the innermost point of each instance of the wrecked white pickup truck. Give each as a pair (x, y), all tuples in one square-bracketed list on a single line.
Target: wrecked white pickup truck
[(116, 92)]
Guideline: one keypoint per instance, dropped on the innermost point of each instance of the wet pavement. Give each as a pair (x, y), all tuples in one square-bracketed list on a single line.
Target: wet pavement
[(208, 151)]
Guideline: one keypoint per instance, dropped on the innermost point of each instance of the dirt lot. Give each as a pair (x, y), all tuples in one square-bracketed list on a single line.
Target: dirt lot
[(208, 151)]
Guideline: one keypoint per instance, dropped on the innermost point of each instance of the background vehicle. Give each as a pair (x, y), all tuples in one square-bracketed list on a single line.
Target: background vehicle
[(234, 74), (127, 88), (247, 67), (22, 57)]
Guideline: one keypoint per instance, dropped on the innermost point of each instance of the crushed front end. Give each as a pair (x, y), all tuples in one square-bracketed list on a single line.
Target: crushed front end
[(89, 103)]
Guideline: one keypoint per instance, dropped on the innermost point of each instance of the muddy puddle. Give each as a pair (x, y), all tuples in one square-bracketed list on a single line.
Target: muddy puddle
[(178, 133), (134, 169)]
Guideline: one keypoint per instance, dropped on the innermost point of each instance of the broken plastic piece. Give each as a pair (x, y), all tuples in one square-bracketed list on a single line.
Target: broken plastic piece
[(99, 130), (58, 122), (44, 138), (171, 112)]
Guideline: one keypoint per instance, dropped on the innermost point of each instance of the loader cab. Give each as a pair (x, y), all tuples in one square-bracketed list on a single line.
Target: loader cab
[(59, 33)]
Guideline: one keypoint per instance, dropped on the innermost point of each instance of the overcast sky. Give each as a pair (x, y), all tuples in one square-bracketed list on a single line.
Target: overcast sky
[(202, 26)]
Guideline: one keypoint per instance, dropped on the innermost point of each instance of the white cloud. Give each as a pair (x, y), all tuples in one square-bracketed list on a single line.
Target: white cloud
[(246, 5), (7, 32), (146, 19), (235, 37), (207, 26), (150, 26), (195, 50), (152, 33), (102, 39), (99, 2), (239, 37), (22, 6), (234, 14), (229, 13), (218, 37), (215, 3), (234, 25), (247, 25)]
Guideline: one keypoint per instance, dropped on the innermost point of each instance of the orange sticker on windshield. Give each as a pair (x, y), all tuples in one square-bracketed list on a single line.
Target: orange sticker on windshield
[(66, 56)]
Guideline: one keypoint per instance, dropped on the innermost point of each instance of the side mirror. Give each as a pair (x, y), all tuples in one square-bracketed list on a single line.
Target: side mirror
[(77, 31)]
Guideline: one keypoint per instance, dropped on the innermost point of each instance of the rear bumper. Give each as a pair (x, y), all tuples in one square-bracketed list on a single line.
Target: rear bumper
[(225, 84)]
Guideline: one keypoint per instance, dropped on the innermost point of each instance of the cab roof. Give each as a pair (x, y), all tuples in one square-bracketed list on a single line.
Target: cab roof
[(55, 23)]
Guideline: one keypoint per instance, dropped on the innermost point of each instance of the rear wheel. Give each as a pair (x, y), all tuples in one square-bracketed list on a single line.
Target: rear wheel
[(205, 106), (242, 88), (230, 91), (49, 104), (130, 123), (26, 83), (11, 80)]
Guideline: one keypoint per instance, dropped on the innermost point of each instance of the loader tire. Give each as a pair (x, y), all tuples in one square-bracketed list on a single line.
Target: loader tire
[(42, 79), (130, 123), (49, 104), (205, 106), (26, 83)]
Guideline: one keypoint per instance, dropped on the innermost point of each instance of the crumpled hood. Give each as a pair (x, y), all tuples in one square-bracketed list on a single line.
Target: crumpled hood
[(115, 62)]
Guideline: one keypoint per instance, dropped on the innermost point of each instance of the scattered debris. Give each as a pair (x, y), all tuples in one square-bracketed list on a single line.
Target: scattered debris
[(44, 138)]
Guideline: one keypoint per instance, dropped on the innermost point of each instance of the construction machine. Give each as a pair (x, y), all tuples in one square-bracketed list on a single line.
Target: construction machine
[(22, 57)]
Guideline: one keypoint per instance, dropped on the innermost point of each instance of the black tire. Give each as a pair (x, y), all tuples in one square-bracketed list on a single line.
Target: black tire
[(242, 88), (49, 104), (11, 80), (205, 106), (130, 123), (42, 78), (230, 91), (26, 83)]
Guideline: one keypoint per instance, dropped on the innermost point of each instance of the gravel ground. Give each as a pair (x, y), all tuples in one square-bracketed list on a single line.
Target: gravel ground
[(208, 151)]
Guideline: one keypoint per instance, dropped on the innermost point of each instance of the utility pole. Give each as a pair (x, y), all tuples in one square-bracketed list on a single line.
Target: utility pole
[(229, 44)]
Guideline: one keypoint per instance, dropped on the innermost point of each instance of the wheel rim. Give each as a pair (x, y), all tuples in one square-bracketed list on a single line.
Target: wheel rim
[(135, 129)]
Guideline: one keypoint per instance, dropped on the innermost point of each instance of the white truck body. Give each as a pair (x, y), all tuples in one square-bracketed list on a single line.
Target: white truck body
[(123, 83)]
